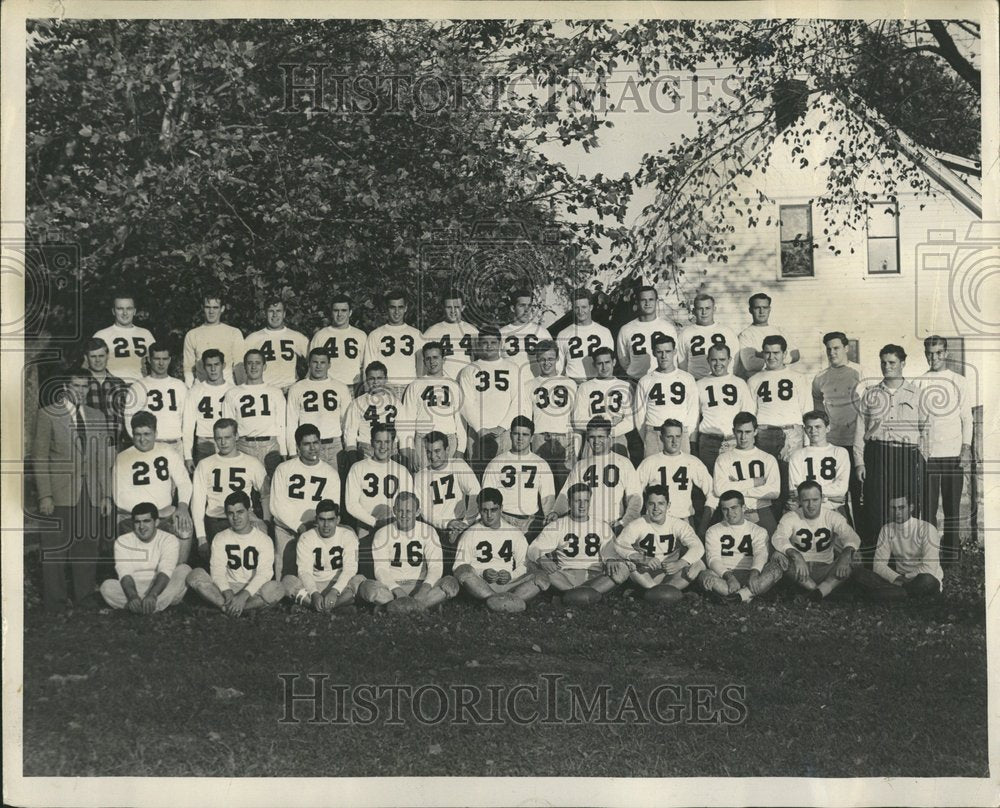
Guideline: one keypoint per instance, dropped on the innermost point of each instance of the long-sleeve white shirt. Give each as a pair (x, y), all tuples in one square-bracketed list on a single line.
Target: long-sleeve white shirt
[(396, 347), (404, 558), (320, 402), (575, 545), (298, 487), (908, 549), (458, 344), (552, 401), (372, 487), (661, 395), (828, 465), (635, 344), (643, 540), (752, 340), (380, 406), (681, 474), (519, 341), (151, 476), (345, 346), (165, 398), (446, 493), (491, 393), (525, 480), (945, 395), (142, 560), (783, 396), (127, 347), (499, 549), (694, 342), (202, 408), (819, 539), (259, 410), (720, 399), (613, 399), (321, 562), (577, 343), (242, 560), (736, 547), (220, 336), (752, 472), (435, 403), (215, 478), (282, 348), (614, 483)]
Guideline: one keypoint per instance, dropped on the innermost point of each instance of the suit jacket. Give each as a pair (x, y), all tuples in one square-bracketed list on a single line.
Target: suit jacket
[(64, 465)]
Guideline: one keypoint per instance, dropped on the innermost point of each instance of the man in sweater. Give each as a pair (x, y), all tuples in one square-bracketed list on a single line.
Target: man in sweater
[(344, 343), (127, 343), (635, 338), (582, 337), (283, 347), (395, 344), (666, 392), (213, 333), (751, 471)]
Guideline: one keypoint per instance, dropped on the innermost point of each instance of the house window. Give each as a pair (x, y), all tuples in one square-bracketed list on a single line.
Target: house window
[(853, 351), (796, 241), (883, 238)]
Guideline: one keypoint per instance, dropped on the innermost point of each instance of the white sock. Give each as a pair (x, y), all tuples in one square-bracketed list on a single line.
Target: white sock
[(745, 595)]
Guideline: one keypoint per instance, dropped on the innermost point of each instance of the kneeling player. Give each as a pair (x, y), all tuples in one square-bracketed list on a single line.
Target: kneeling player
[(577, 553), (327, 562), (242, 564), (736, 551), (490, 560), (814, 545), (408, 562), (664, 553)]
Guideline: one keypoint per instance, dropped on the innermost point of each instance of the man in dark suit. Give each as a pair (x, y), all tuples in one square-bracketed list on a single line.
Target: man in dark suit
[(73, 454)]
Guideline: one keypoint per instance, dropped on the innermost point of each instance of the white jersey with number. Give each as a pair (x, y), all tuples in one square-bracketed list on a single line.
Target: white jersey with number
[(446, 493), (577, 343), (828, 465), (321, 562), (164, 398), (635, 344), (573, 545), (613, 399), (491, 393), (372, 487), (752, 340), (458, 344), (752, 472), (202, 408), (672, 540), (282, 348), (500, 549), (151, 477), (380, 406), (783, 397), (816, 539), (242, 560), (127, 347), (681, 474), (215, 478), (396, 347), (220, 336), (259, 411), (298, 487), (519, 341), (552, 400), (404, 558), (320, 402), (694, 342), (525, 480), (614, 483), (345, 346), (736, 547), (720, 399), (661, 395), (434, 403)]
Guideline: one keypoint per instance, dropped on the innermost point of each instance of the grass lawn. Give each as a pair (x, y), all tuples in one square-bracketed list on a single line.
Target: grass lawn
[(838, 689)]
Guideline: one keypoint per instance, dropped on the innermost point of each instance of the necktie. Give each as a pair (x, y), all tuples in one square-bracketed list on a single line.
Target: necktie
[(81, 427)]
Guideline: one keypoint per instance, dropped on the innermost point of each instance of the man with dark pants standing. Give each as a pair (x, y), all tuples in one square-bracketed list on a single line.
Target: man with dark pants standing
[(73, 454)]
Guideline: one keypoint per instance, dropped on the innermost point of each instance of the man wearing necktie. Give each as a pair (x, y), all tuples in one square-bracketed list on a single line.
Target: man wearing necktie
[(72, 454)]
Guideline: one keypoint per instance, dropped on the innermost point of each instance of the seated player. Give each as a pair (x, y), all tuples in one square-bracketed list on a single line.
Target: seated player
[(663, 551), (814, 545), (242, 564), (907, 557), (327, 562), (736, 552), (373, 483), (490, 563), (820, 460), (407, 558), (524, 479), (149, 577), (577, 552)]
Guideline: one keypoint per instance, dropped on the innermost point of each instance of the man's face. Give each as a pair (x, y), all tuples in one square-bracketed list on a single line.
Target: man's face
[(433, 361), (309, 448), (405, 511), (598, 440), (548, 363), (582, 310), (276, 315), (579, 505), (664, 354), (670, 437), (437, 454), (656, 508), (489, 347), (97, 360), (319, 366), (936, 357), (340, 314), (213, 369), (760, 310), (704, 312), (376, 380), (76, 390), (254, 367), (239, 517), (124, 311), (816, 431), (604, 365), (520, 439), (892, 366), (774, 357), (396, 309), (899, 510), (646, 304), (213, 310), (732, 511), (718, 361), (453, 309), (744, 434), (326, 524), (490, 512), (522, 309), (144, 437), (836, 353), (811, 501), (382, 445), (225, 441), (145, 525), (159, 363)]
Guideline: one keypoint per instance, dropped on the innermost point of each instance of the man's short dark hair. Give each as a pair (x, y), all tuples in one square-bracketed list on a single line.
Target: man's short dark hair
[(94, 344), (660, 339), (812, 415), (896, 350), (838, 335), (654, 490), (303, 431), (326, 506), (226, 423), (143, 419), (732, 494), (212, 353), (522, 420), (776, 339), (374, 366), (434, 436), (806, 485), (236, 498), (145, 508), (759, 296), (319, 350), (744, 418), (489, 495)]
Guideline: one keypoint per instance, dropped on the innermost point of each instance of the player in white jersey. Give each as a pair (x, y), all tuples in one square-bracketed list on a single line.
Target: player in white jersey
[(283, 347), (491, 560), (521, 336), (202, 408), (213, 333), (814, 545), (149, 577), (751, 471), (821, 461), (296, 487), (343, 342), (219, 475), (606, 396), (635, 338), (491, 396), (697, 338), (161, 394), (407, 560), (579, 340), (127, 343), (433, 403), (751, 358), (680, 473), (611, 477), (721, 397), (379, 404), (523, 478), (321, 401), (326, 557), (242, 564), (395, 344), (374, 482), (577, 552), (259, 411), (148, 472), (455, 337), (552, 396), (448, 489), (737, 553), (665, 392)]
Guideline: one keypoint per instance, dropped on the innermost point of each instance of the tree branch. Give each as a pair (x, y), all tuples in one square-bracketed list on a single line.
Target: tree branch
[(949, 52)]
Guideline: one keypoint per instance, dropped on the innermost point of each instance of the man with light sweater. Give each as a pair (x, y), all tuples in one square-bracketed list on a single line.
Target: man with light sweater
[(752, 472), (666, 392), (213, 333)]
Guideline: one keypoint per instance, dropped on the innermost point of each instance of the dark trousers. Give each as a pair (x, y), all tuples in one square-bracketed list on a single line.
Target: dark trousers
[(709, 444), (771, 439), (891, 470), (944, 479), (203, 447), (920, 586), (73, 546)]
